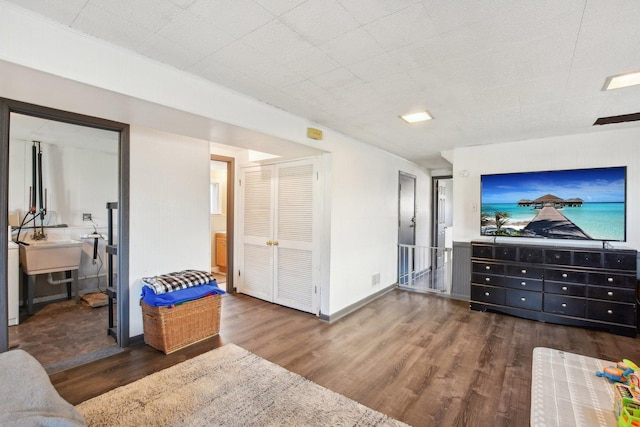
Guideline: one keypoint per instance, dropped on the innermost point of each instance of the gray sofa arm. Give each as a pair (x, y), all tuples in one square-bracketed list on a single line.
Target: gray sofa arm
[(27, 397)]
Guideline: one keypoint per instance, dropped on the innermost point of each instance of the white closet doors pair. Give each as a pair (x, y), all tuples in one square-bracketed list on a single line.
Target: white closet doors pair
[(280, 226)]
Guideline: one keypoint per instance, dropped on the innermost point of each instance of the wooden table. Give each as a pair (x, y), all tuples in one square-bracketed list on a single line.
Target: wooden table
[(565, 390)]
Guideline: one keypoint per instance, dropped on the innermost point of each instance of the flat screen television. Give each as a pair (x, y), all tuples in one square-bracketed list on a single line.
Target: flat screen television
[(580, 204)]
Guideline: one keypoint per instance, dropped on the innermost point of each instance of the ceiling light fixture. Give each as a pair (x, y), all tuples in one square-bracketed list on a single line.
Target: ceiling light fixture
[(416, 117), (622, 80)]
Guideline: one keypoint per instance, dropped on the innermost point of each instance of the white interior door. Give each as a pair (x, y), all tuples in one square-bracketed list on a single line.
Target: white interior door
[(256, 274), (295, 266), (280, 260)]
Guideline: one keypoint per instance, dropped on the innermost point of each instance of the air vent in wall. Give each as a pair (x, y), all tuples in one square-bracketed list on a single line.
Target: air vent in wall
[(617, 119)]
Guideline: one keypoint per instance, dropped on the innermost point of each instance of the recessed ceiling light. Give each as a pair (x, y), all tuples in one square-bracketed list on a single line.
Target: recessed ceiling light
[(622, 80), (416, 117)]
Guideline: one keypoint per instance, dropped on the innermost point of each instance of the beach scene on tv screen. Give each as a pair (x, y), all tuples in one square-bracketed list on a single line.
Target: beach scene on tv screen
[(583, 204)]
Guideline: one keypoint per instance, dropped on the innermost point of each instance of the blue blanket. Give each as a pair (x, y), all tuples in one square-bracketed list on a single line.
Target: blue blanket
[(179, 296)]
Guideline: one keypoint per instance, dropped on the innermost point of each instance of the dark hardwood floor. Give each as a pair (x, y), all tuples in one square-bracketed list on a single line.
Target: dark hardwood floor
[(422, 359)]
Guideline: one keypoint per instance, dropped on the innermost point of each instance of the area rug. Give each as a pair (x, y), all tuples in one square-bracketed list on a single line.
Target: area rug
[(228, 386)]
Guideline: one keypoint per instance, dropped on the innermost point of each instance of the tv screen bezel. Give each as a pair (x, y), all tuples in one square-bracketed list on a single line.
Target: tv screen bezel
[(567, 239)]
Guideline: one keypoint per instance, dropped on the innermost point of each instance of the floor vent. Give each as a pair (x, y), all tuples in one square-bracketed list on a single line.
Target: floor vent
[(617, 119)]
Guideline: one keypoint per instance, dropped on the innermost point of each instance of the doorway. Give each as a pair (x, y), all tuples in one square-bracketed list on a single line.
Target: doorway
[(221, 210), (70, 212), (406, 228), (442, 232)]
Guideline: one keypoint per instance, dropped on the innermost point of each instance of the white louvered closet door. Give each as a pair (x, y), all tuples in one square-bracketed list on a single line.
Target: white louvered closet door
[(280, 261), (256, 278), (295, 262)]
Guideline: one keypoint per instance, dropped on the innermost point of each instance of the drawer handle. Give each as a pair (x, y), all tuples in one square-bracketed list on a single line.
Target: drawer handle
[(564, 288), (610, 279), (610, 293), (486, 294), (609, 311), (523, 283), (523, 299), (487, 267), (564, 275), (564, 304), (487, 279), (523, 271)]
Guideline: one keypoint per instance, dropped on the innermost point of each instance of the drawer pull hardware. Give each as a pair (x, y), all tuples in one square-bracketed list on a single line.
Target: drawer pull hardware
[(523, 283), (609, 311), (487, 279), (564, 288), (610, 293), (564, 275), (523, 299), (486, 294), (523, 271), (564, 304), (487, 268), (610, 279)]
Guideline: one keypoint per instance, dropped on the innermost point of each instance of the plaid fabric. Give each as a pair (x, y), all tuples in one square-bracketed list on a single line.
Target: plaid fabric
[(178, 280)]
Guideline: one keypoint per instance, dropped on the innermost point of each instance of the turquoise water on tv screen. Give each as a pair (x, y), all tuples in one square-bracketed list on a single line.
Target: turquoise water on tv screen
[(601, 221)]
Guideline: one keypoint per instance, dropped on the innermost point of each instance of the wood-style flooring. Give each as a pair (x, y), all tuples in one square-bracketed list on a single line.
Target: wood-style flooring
[(422, 359)]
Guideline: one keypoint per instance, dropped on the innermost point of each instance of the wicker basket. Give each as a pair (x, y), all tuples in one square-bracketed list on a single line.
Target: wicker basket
[(171, 328)]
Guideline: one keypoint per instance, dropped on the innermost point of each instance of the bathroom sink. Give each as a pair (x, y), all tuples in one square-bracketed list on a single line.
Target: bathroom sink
[(48, 256)]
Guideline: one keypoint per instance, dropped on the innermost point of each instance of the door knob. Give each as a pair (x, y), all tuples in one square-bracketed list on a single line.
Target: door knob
[(275, 243), (269, 243)]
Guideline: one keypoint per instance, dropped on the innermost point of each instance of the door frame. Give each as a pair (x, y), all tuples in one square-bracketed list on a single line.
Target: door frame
[(434, 208), (231, 169), (8, 106)]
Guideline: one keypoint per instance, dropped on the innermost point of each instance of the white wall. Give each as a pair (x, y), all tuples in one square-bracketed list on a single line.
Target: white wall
[(169, 209), (618, 147), (78, 180), (85, 75), (364, 219)]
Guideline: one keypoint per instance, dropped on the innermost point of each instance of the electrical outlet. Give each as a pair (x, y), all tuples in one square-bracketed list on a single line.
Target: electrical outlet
[(375, 279), (86, 217)]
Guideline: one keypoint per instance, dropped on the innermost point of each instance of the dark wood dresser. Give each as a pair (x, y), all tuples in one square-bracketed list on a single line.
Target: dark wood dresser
[(588, 287)]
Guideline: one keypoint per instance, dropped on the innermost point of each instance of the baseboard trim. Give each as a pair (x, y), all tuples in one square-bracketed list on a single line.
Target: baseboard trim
[(138, 339), (356, 305)]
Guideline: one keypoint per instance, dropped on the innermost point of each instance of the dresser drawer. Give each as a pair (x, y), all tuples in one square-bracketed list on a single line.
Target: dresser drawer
[(587, 259), (611, 294), (531, 255), (523, 283), (553, 256), (524, 299), (487, 279), (569, 306), (505, 253), (561, 288), (524, 271), (488, 294), (487, 267), (620, 260), (615, 280), (569, 276), (482, 251), (624, 314)]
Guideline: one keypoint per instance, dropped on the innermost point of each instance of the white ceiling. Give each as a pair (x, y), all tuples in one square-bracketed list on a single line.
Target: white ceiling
[(28, 128), (487, 70)]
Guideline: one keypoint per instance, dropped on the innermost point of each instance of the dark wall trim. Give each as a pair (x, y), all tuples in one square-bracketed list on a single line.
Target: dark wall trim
[(231, 172), (4, 222), (8, 106)]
